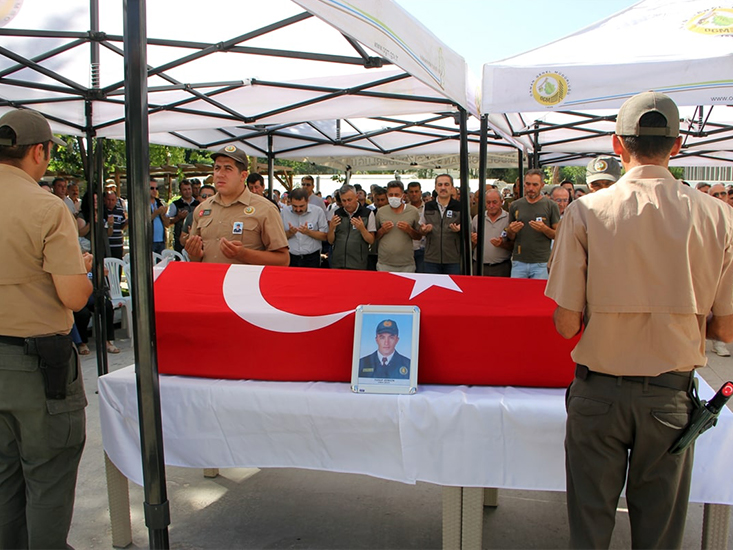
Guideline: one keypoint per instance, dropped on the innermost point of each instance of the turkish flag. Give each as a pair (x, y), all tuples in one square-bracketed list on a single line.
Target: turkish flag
[(297, 324)]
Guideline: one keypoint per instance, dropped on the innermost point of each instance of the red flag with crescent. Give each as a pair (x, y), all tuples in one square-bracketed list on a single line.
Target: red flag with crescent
[(297, 324)]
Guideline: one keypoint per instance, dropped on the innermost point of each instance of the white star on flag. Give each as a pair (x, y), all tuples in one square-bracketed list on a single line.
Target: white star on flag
[(424, 281)]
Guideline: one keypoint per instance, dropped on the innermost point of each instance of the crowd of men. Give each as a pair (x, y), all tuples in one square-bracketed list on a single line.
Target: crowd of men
[(392, 228)]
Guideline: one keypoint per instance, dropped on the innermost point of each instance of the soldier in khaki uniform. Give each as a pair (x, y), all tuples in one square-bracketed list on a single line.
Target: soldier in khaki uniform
[(640, 264), (235, 226), (43, 277)]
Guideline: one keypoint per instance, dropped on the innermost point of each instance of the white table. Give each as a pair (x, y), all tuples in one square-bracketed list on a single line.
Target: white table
[(463, 437)]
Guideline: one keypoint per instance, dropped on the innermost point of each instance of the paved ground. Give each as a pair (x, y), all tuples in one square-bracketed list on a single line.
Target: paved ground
[(285, 508)]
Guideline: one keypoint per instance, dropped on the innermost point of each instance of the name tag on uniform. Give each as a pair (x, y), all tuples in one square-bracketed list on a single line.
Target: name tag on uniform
[(449, 213), (205, 213), (237, 228), (310, 225)]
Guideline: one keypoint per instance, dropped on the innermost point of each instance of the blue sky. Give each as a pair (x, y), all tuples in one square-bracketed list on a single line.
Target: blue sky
[(489, 30)]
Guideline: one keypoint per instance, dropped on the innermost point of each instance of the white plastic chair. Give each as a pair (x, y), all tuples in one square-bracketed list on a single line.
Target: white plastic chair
[(157, 258), (172, 255), (115, 269)]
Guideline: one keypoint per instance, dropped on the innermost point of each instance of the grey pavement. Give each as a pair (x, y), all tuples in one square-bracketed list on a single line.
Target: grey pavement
[(288, 508)]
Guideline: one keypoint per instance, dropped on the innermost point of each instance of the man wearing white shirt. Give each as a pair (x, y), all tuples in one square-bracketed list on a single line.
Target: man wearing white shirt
[(306, 228), (497, 248)]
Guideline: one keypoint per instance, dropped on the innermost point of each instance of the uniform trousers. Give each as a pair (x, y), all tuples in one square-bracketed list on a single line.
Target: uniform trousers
[(620, 430), (41, 443)]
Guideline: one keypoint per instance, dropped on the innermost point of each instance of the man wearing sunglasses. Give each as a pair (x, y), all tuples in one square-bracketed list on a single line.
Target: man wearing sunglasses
[(307, 183), (205, 192), (718, 191)]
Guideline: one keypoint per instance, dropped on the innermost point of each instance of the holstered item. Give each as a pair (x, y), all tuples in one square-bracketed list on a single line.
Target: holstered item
[(701, 420), (55, 353)]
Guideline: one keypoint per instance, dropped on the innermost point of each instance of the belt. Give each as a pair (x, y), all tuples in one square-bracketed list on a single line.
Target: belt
[(12, 341), (306, 255), (498, 263), (681, 381)]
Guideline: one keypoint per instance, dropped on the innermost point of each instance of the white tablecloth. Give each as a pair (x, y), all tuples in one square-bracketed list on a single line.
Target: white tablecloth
[(465, 436)]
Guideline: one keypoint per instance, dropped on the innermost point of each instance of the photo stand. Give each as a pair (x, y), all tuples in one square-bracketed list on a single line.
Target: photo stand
[(386, 344)]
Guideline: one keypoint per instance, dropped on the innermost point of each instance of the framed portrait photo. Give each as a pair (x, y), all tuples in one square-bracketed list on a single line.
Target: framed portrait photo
[(386, 343)]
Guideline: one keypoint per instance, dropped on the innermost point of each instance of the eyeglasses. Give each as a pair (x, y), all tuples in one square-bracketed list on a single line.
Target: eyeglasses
[(207, 195), (153, 188), (720, 194)]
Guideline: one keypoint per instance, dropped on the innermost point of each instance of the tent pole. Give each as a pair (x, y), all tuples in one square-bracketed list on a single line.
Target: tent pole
[(520, 166), (157, 512), (481, 227), (96, 163), (535, 158), (465, 195), (270, 165), (94, 171)]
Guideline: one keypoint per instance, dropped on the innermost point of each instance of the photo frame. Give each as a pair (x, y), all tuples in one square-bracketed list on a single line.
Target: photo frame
[(386, 346)]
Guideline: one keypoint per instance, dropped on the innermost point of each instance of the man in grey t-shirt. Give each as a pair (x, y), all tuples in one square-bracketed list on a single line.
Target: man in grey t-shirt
[(397, 225), (533, 220)]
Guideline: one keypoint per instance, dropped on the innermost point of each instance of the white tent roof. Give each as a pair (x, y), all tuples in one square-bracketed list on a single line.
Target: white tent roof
[(560, 100), (217, 73), (680, 47), (397, 138)]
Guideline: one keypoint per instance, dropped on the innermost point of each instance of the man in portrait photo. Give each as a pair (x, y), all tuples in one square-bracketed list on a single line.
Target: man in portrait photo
[(385, 362)]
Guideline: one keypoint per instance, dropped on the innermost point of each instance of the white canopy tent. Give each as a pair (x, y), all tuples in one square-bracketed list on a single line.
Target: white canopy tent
[(560, 100), (231, 68)]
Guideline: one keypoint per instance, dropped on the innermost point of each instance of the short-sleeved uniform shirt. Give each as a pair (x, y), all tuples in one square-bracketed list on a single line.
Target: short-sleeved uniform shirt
[(395, 246), (531, 246), (646, 259), (40, 239), (250, 219), (493, 254)]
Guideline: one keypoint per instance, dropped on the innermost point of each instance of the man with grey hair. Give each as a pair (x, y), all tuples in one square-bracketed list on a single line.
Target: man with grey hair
[(72, 195), (350, 232), (641, 266), (497, 248), (533, 220), (561, 196)]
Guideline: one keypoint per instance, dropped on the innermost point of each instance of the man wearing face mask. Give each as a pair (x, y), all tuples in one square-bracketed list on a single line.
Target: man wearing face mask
[(397, 225)]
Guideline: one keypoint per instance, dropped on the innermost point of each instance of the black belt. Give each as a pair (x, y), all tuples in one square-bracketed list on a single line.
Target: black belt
[(12, 341), (306, 255), (498, 263), (680, 381)]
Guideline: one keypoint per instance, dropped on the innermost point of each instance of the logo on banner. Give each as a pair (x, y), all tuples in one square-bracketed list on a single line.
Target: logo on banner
[(550, 89), (8, 10), (714, 21)]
